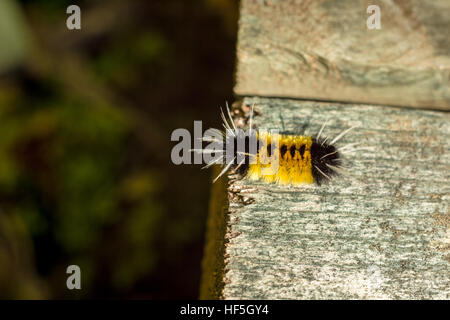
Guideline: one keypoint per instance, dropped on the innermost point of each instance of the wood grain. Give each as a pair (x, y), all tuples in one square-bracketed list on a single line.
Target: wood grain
[(381, 232), (323, 50)]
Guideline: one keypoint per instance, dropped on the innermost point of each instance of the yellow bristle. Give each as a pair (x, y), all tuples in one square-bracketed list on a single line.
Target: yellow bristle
[(291, 170)]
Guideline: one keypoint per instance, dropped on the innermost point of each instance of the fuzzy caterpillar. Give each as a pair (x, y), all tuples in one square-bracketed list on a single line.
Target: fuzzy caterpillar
[(300, 159)]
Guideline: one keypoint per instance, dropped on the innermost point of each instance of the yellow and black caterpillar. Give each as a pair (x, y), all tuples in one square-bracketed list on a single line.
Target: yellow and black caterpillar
[(298, 159)]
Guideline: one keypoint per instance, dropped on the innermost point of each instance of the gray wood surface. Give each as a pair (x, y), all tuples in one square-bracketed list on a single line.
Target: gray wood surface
[(382, 231), (323, 50)]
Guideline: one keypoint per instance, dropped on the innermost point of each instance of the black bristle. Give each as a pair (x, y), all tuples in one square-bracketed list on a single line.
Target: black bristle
[(319, 149), (243, 168)]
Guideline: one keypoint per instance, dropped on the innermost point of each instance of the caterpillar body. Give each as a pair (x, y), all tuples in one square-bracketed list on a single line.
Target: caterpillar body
[(299, 159)]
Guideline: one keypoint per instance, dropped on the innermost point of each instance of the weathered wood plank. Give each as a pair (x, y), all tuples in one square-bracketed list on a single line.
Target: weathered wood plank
[(323, 50), (383, 231)]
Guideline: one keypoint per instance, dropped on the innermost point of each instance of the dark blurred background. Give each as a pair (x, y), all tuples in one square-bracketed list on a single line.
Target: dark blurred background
[(85, 124)]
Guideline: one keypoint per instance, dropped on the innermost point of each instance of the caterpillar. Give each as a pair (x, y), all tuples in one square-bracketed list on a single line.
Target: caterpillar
[(299, 159)]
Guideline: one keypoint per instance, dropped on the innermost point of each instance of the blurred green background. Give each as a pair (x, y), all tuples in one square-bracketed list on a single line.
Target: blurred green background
[(85, 124)]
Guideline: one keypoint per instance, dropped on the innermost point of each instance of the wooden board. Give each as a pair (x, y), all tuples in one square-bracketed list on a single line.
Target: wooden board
[(382, 232), (323, 50)]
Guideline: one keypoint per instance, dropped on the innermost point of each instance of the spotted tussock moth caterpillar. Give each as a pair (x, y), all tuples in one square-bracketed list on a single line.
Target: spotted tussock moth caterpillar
[(299, 159)]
